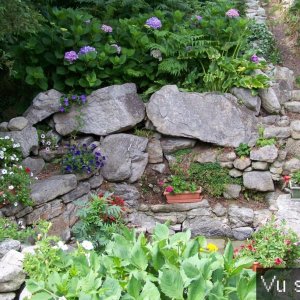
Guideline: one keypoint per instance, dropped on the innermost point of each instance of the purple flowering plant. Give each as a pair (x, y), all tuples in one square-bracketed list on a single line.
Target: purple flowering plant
[(67, 101), (82, 159), (154, 23)]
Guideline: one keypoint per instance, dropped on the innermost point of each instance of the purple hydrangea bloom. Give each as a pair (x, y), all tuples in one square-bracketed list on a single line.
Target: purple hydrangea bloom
[(117, 47), (86, 49), (199, 18), (254, 58), (154, 23), (232, 13), (106, 28), (71, 56)]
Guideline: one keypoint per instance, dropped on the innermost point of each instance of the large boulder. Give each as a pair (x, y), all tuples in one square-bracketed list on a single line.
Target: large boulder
[(43, 105), (108, 110), (126, 157), (27, 138), (269, 100), (209, 117), (258, 181), (17, 124), (266, 154)]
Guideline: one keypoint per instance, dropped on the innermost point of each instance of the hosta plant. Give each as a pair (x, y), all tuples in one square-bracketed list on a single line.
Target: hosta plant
[(133, 267)]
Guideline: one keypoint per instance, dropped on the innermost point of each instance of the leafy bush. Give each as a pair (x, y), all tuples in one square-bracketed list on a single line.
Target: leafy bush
[(211, 177), (262, 142), (177, 184), (243, 150), (99, 219), (272, 245), (10, 152), (296, 177), (82, 159), (166, 267), (47, 140)]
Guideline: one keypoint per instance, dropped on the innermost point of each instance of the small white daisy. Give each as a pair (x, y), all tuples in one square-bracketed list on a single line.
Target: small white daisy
[(11, 187)]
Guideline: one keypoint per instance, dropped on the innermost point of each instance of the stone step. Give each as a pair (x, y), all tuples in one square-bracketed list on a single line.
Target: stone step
[(293, 106), (295, 95)]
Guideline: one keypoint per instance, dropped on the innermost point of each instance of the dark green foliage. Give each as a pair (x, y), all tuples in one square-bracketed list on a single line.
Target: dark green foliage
[(180, 184), (99, 219), (243, 150), (211, 177)]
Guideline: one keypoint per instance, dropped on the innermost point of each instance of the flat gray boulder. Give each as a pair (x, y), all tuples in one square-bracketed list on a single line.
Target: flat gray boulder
[(266, 154), (126, 157), (108, 110), (45, 190), (258, 181), (170, 145), (43, 105), (7, 245), (210, 117), (18, 123)]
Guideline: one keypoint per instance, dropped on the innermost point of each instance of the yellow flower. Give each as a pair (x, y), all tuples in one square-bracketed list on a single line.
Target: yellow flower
[(202, 250), (212, 247), (241, 69)]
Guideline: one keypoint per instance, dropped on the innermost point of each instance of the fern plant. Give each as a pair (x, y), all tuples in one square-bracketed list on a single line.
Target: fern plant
[(99, 219)]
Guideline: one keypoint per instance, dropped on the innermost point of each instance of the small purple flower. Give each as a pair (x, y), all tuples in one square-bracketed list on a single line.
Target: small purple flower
[(71, 56), (117, 47), (74, 97), (62, 109), (254, 58), (66, 102), (83, 98), (68, 168), (86, 49), (106, 28), (154, 23), (199, 18), (232, 13)]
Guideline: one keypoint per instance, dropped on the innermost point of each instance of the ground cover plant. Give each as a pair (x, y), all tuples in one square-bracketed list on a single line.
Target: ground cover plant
[(132, 267)]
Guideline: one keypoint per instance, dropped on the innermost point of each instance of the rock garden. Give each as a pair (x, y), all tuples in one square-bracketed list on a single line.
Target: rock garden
[(155, 154)]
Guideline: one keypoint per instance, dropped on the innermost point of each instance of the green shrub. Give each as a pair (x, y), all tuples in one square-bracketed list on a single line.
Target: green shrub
[(262, 142), (296, 177), (211, 177), (243, 150), (99, 219), (166, 267), (178, 184)]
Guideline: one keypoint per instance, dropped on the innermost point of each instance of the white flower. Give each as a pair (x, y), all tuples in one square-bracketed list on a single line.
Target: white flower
[(4, 171), (62, 246), (16, 145), (12, 158), (6, 137), (48, 143), (4, 149), (43, 136), (11, 187), (26, 294), (36, 178), (11, 173), (31, 174), (47, 149), (62, 298), (17, 159), (16, 204), (87, 245), (12, 139)]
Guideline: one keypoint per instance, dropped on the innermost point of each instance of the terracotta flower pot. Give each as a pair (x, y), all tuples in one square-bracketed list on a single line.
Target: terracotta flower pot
[(186, 197), (256, 265)]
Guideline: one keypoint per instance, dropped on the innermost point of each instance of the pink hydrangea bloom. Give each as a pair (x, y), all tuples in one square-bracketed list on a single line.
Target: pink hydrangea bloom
[(232, 13), (169, 189), (106, 28)]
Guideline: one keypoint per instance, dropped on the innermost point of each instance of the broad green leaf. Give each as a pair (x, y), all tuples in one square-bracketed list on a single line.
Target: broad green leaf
[(171, 283), (196, 289), (150, 292), (41, 296), (134, 286), (161, 232), (113, 291)]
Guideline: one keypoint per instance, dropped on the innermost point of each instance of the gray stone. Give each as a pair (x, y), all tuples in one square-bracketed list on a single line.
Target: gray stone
[(128, 192), (170, 145), (43, 105), (87, 140), (190, 115), (226, 156), (295, 126), (282, 92), (232, 191), (155, 153), (142, 220), (206, 156), (240, 216), (291, 165), (269, 100), (242, 233), (160, 168), (260, 165), (7, 245), (82, 188), (207, 226), (126, 157), (95, 181), (48, 154), (266, 154), (108, 110), (249, 169), (17, 124), (276, 170), (174, 218), (295, 95), (171, 160), (258, 181), (47, 211), (282, 155), (235, 173), (7, 296), (242, 163), (285, 74), (11, 271), (179, 207), (3, 126), (36, 165), (293, 147), (269, 120), (197, 212), (45, 190), (261, 217), (277, 132), (246, 97), (27, 138), (228, 165), (219, 210), (293, 106)]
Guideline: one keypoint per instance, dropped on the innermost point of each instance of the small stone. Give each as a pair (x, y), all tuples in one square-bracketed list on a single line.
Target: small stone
[(293, 147), (128, 192), (17, 124), (259, 181), (171, 160), (249, 169), (206, 156), (261, 217), (242, 163), (179, 207), (154, 150), (242, 233), (95, 181), (226, 156), (219, 210), (269, 120), (143, 207), (291, 165), (228, 165), (3, 126), (266, 154), (82, 188), (36, 165), (235, 173), (240, 216), (170, 145), (260, 165), (295, 95), (7, 296), (8, 245), (275, 170), (232, 191), (293, 106), (295, 125), (50, 154), (277, 132), (282, 155), (160, 168), (269, 100)]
